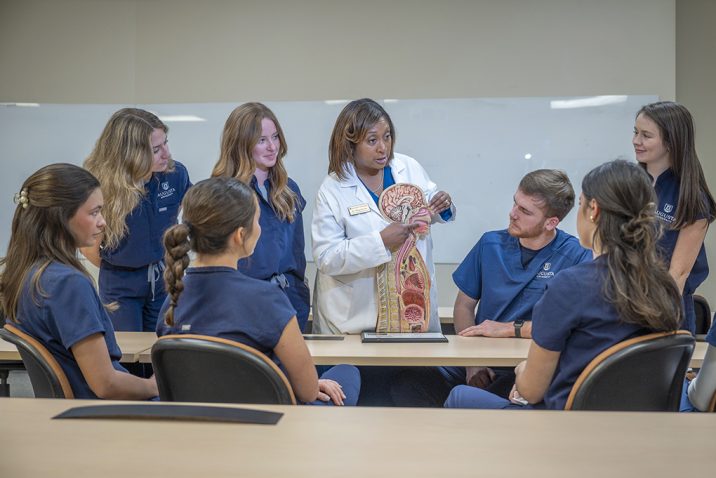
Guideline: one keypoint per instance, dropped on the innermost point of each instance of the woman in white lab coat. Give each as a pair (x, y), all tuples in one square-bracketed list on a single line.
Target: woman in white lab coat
[(350, 235)]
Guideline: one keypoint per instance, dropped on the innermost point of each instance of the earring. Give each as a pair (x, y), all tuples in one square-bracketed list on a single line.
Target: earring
[(591, 218)]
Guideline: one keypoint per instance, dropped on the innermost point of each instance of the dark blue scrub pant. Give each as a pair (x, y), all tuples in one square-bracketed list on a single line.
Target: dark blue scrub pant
[(138, 299), (348, 377), (465, 396), (300, 297), (430, 386)]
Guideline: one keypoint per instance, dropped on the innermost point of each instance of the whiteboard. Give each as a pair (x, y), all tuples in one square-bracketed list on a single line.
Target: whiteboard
[(477, 149)]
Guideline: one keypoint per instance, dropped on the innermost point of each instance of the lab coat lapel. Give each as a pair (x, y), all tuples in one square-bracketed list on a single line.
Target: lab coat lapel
[(353, 182)]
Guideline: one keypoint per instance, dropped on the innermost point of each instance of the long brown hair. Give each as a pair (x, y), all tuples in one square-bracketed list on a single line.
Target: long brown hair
[(638, 283), (242, 132), (352, 126), (122, 160), (677, 132), (213, 209), (40, 232)]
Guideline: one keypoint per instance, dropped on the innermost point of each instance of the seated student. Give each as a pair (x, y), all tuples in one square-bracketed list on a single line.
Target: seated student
[(47, 292), (507, 272), (626, 291), (701, 390), (221, 225)]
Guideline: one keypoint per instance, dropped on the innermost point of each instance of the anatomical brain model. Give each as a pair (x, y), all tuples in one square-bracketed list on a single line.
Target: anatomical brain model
[(404, 282)]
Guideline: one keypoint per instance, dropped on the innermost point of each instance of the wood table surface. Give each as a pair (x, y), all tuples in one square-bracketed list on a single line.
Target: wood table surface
[(358, 442)]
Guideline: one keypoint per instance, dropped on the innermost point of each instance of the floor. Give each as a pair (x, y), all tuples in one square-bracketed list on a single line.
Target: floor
[(20, 384)]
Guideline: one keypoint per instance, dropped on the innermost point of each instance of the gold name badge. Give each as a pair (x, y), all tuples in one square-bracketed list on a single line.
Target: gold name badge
[(359, 209)]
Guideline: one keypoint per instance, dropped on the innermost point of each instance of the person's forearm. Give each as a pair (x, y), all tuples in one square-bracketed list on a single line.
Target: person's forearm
[(125, 386), (463, 317), (703, 387), (526, 330)]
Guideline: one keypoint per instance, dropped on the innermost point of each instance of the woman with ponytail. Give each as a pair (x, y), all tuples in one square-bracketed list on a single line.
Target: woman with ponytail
[(665, 147), (46, 291), (212, 297), (626, 291)]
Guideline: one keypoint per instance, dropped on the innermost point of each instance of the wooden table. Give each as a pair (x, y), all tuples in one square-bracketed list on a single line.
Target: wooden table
[(358, 442), (132, 345), (8, 352), (460, 351)]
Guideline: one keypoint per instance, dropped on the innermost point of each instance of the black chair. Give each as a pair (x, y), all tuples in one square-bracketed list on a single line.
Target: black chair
[(46, 376), (199, 368), (641, 374), (703, 314)]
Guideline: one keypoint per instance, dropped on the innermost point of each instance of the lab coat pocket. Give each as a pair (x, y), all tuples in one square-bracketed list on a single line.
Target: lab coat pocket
[(335, 299)]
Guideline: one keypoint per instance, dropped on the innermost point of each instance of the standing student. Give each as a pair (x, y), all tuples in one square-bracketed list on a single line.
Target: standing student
[(221, 225), (252, 150), (351, 238), (664, 145), (47, 292), (625, 292), (143, 188)]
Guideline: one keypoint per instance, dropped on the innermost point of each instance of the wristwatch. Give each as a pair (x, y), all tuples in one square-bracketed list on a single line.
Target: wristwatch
[(518, 328)]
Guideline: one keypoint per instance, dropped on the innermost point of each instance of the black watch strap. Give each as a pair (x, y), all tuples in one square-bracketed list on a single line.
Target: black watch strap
[(518, 328)]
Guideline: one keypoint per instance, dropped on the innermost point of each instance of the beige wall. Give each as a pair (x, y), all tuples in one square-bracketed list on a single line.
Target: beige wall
[(696, 88), (153, 51)]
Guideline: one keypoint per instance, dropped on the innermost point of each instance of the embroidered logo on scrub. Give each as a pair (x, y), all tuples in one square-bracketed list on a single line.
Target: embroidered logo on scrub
[(167, 191), (545, 273), (664, 215)]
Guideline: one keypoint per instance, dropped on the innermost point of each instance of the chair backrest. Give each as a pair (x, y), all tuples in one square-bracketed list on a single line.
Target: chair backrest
[(703, 314), (199, 368), (46, 376), (641, 374)]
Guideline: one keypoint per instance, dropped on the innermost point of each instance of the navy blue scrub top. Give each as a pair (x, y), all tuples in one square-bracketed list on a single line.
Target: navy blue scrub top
[(146, 224), (574, 318), (69, 310), (667, 189), (280, 249), (223, 302), (492, 273)]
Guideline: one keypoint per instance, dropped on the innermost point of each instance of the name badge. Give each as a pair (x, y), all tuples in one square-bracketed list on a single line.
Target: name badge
[(359, 209), (162, 209)]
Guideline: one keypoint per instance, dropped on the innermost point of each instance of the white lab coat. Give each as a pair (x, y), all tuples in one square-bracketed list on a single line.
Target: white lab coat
[(347, 249)]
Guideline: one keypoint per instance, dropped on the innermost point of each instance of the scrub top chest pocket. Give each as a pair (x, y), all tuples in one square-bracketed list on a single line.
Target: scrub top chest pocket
[(167, 199)]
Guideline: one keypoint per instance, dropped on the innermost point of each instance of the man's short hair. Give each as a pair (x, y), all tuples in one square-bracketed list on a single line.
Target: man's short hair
[(553, 188)]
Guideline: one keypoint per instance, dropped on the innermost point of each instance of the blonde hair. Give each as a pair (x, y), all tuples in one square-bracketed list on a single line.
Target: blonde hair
[(242, 132), (122, 160)]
